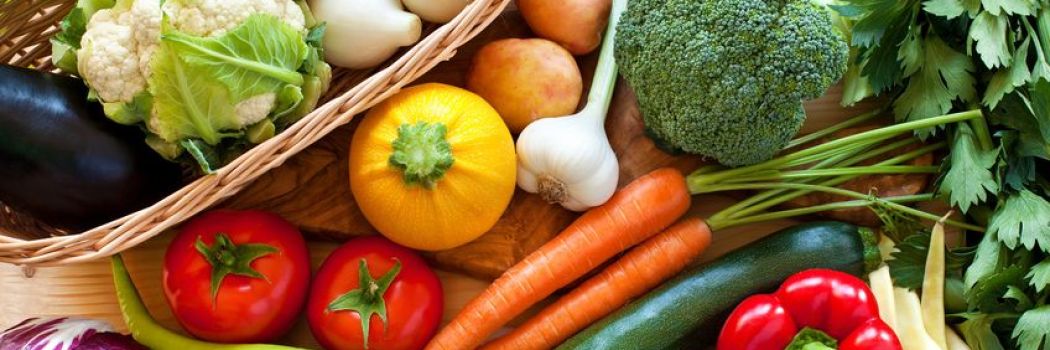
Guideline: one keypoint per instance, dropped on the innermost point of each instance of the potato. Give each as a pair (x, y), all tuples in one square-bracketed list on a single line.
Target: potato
[(575, 24), (526, 79)]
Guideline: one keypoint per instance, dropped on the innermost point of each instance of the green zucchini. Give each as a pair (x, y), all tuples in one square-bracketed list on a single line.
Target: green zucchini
[(689, 310)]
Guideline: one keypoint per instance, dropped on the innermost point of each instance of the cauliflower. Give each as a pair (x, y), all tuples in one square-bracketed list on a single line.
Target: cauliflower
[(196, 72), (215, 17)]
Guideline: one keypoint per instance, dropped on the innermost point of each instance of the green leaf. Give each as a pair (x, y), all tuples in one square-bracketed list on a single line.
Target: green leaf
[(855, 86), (969, 178), (911, 52), (987, 294), (946, 75), (977, 331), (1030, 136), (944, 8), (1033, 329), (197, 82), (908, 262), (1016, 7), (989, 32), (988, 259), (367, 299), (1024, 218), (259, 56), (1039, 275), (1019, 297), (1005, 81), (877, 33), (881, 15)]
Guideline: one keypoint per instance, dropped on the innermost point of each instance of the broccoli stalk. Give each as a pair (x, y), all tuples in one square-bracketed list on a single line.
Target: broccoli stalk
[(726, 78), (826, 165)]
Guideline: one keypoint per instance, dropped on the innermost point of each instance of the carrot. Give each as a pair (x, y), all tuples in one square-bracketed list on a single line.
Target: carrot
[(641, 209), (641, 269)]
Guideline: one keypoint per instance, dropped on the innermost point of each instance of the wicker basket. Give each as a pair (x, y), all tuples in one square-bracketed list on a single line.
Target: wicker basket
[(26, 26)]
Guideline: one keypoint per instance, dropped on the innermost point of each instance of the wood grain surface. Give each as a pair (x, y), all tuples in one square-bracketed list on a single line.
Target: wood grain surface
[(312, 191)]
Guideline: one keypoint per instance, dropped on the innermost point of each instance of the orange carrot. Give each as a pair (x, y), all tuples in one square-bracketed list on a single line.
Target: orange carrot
[(645, 207), (641, 269)]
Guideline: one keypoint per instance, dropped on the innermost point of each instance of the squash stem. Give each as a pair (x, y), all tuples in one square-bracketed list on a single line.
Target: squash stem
[(422, 153)]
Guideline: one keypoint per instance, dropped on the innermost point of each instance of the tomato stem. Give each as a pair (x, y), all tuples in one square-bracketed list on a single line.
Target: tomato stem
[(367, 298), (227, 258)]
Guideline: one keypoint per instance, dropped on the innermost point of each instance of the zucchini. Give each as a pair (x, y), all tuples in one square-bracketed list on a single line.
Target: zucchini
[(688, 311)]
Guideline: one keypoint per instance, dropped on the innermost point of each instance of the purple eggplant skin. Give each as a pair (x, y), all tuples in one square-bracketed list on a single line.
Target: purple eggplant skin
[(64, 163)]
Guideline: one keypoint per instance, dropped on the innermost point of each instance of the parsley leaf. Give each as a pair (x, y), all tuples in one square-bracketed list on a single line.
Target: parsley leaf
[(989, 31), (968, 179), (1017, 7), (988, 293), (945, 75), (1006, 80), (1027, 136), (1039, 276), (977, 331), (988, 259), (1032, 331), (908, 262), (1024, 218), (944, 8)]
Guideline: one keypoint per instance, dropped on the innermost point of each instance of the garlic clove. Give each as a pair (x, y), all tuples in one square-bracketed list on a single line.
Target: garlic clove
[(599, 186), (527, 179)]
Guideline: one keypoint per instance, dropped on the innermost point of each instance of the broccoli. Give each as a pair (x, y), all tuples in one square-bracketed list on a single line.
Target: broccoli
[(726, 78)]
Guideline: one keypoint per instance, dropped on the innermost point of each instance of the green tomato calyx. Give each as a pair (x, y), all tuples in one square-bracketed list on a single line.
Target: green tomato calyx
[(227, 258), (367, 298), (422, 153)]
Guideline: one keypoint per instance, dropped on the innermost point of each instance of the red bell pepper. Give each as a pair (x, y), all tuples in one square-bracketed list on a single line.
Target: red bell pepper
[(835, 303)]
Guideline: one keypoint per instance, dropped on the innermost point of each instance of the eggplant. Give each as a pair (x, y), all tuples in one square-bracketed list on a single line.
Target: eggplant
[(64, 163)]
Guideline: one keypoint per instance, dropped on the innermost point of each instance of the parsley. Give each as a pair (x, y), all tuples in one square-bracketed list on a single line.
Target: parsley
[(968, 179), (1033, 329), (1039, 276), (1022, 218), (908, 262), (931, 57)]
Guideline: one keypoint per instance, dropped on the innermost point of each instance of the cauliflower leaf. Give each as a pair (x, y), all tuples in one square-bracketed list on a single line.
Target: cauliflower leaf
[(197, 82)]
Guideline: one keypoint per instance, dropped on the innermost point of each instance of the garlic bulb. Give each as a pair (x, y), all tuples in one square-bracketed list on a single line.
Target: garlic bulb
[(568, 160)]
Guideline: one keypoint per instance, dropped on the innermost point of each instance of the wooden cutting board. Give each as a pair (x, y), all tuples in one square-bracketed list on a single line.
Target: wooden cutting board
[(312, 190)]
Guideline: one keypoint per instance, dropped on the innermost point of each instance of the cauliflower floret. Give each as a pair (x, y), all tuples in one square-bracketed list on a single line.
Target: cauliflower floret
[(109, 63), (146, 16), (117, 47), (255, 108), (215, 17)]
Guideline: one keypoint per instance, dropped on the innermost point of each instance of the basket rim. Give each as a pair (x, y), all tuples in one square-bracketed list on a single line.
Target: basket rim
[(204, 192)]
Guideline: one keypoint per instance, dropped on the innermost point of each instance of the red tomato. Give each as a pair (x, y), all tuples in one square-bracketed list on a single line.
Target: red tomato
[(401, 280), (262, 269)]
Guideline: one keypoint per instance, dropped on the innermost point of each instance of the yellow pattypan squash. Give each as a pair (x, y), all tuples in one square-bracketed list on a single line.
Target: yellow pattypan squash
[(432, 167)]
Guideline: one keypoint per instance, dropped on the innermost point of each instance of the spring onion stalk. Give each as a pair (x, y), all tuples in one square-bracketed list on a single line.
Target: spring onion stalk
[(800, 171)]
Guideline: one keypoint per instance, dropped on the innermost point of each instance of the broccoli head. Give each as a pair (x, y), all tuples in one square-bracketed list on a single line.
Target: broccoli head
[(726, 78)]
